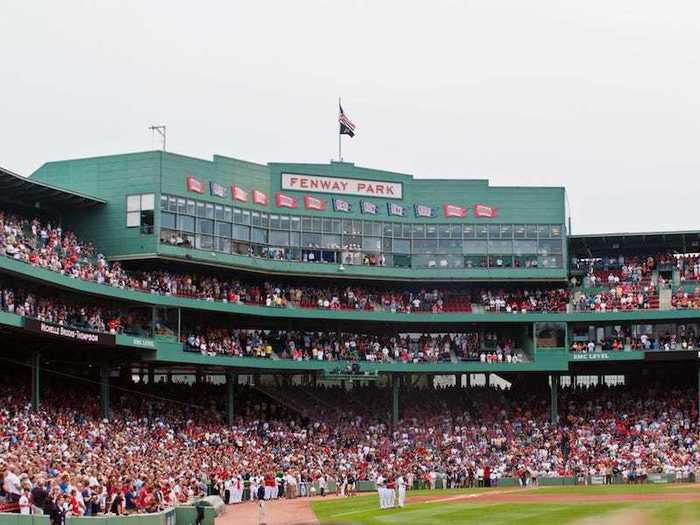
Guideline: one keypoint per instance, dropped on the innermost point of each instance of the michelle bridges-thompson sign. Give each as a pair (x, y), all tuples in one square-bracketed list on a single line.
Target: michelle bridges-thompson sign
[(73, 334), (363, 188)]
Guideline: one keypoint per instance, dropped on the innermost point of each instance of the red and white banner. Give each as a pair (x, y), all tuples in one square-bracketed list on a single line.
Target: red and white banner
[(195, 185), (481, 210), (285, 201), (314, 203), (239, 194), (452, 210), (260, 198)]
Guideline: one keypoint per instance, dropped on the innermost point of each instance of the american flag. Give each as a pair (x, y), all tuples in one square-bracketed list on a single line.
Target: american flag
[(346, 126)]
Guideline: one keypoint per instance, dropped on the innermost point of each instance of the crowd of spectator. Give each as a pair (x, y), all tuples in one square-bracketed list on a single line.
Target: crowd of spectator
[(166, 443), (620, 297), (330, 346)]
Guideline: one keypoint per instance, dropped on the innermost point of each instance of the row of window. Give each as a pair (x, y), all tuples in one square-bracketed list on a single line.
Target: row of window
[(181, 207)]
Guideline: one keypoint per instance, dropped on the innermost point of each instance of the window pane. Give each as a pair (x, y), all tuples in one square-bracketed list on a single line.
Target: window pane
[(444, 231), (424, 246), (204, 242), (306, 224), (133, 203), (506, 231), (245, 217), (223, 229), (494, 231), (418, 231), (164, 202), (524, 247), (227, 214), (205, 226), (167, 220), (500, 247), (219, 212), (482, 232), (279, 238), (200, 209), (284, 222), (274, 221), (147, 201), (388, 229), (256, 218), (241, 233), (520, 231), (331, 241), (185, 223), (373, 244), (259, 236), (475, 247), (296, 223), (431, 231), (402, 246), (543, 231), (468, 231), (555, 231), (311, 240), (133, 218)]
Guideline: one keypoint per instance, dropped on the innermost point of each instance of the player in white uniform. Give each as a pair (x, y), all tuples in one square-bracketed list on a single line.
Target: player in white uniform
[(381, 490), (401, 487)]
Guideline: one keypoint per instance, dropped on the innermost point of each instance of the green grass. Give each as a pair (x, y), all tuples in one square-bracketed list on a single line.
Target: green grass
[(363, 510)]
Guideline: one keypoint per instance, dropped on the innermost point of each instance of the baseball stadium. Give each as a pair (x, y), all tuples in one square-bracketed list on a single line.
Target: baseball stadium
[(228, 342)]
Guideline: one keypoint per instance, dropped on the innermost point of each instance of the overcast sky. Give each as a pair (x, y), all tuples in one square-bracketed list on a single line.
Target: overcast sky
[(602, 97)]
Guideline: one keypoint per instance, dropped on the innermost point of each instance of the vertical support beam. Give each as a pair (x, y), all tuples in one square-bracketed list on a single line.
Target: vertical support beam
[(36, 380), (554, 397), (154, 315), (601, 380), (104, 390), (231, 380), (151, 374), (698, 407), (469, 380), (395, 382), (488, 380), (458, 380)]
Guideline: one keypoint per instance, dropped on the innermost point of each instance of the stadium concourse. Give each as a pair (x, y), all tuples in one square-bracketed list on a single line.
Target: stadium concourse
[(175, 328)]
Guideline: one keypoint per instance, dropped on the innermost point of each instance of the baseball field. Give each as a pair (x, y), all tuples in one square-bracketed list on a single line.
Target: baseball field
[(617, 504)]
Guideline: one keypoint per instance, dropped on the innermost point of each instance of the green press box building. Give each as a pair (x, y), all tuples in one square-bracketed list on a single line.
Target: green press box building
[(336, 223)]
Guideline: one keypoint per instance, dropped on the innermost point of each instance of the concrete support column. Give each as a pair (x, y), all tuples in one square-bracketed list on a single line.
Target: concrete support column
[(104, 390), (231, 380), (395, 382), (469, 380), (151, 374), (554, 391), (36, 380)]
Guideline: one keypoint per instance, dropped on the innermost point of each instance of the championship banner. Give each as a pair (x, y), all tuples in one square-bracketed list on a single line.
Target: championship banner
[(217, 190), (395, 209), (260, 198), (239, 194), (194, 185), (452, 210), (342, 205), (481, 210), (285, 201), (314, 203), (71, 334), (423, 211), (368, 208)]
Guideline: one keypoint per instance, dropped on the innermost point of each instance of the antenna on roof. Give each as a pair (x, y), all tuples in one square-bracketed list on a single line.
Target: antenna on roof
[(161, 131)]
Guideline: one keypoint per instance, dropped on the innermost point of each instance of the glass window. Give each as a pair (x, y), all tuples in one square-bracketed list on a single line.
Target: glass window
[(223, 229), (500, 247), (337, 226), (494, 231), (373, 244), (275, 221), (147, 202), (352, 242), (456, 231), (317, 224), (555, 231), (284, 222), (174, 204), (520, 231), (227, 214), (468, 231), (279, 238), (164, 203), (295, 239), (256, 218), (264, 220), (245, 216), (550, 247), (295, 223), (241, 233), (386, 244), (185, 223), (450, 246), (205, 226), (388, 229), (259, 236), (506, 231), (524, 247), (204, 242), (376, 228), (219, 212), (444, 231), (327, 226), (406, 230), (402, 246), (531, 231), (167, 220), (311, 240), (482, 232), (367, 228), (347, 226), (133, 203), (431, 231), (306, 224), (200, 209), (543, 231), (237, 216), (419, 231), (475, 247), (133, 218), (331, 240), (425, 246)]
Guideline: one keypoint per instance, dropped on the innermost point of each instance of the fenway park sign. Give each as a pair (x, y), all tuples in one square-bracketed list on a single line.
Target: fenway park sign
[(71, 334), (337, 185)]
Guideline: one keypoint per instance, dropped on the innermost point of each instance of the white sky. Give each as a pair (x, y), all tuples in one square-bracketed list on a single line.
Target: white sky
[(602, 97)]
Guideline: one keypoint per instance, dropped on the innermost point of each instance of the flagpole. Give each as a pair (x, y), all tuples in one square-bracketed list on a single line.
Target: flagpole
[(340, 136)]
